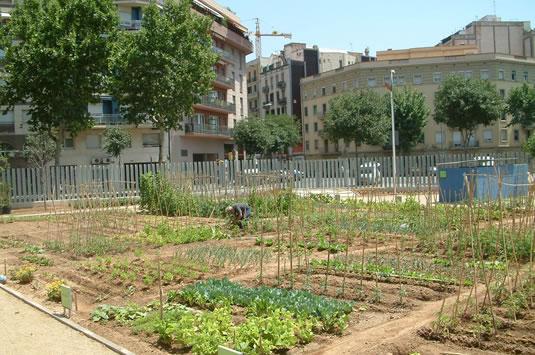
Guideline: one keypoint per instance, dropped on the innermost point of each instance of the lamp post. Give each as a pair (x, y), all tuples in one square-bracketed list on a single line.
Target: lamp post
[(394, 173)]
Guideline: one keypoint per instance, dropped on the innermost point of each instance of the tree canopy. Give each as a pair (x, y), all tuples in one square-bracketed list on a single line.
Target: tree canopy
[(411, 114), (273, 134), (358, 116), (160, 71), (116, 140), (463, 104), (56, 60), (521, 105), (529, 146)]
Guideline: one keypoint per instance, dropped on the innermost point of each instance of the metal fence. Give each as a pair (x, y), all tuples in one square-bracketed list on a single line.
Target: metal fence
[(415, 172)]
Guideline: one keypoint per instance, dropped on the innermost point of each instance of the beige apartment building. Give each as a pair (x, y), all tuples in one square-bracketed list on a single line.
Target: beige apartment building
[(488, 49), (206, 136)]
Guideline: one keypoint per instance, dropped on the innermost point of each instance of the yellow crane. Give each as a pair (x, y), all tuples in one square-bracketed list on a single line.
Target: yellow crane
[(258, 38)]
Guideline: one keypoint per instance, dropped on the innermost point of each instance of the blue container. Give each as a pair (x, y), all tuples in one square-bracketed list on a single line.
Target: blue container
[(485, 180), (3, 279)]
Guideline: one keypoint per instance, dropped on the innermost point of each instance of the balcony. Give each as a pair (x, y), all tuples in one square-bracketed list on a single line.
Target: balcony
[(265, 89), (104, 119), (223, 81), (192, 129), (281, 84), (223, 54), (213, 103), (267, 104), (235, 39), (282, 101)]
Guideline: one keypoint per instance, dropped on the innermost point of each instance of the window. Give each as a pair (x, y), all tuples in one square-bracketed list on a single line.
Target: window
[(347, 144), (68, 142), (399, 80), (502, 93), (417, 79), (439, 138), (516, 136), (93, 141), (326, 145), (336, 147), (315, 126), (344, 85), (307, 146), (334, 89), (372, 82), (437, 77), (501, 74), (355, 83), (183, 152), (487, 136), (306, 127), (484, 74), (315, 110), (526, 76), (316, 144), (136, 13), (503, 136), (306, 111), (151, 140), (305, 95), (324, 109), (513, 75), (468, 74), (323, 92), (457, 139)]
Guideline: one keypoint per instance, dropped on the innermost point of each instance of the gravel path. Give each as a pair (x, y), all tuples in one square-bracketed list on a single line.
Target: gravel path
[(25, 330)]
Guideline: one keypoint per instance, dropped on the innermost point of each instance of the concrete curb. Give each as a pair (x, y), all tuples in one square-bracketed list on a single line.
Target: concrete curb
[(110, 345)]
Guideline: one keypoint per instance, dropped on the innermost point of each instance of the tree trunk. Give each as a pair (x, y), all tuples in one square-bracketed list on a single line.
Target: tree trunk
[(160, 150), (59, 138)]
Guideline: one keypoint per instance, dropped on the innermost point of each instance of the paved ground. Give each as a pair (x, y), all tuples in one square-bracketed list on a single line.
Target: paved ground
[(25, 330)]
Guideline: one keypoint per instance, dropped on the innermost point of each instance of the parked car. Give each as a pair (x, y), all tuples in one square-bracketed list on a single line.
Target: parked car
[(485, 160), (297, 175), (370, 174)]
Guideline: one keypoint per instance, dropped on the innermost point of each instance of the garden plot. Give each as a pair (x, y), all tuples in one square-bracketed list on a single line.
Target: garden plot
[(307, 274)]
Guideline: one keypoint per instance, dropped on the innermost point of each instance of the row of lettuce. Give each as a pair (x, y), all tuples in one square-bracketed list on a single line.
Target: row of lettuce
[(258, 320)]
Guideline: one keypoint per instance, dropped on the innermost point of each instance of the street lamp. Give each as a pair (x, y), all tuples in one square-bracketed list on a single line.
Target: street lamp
[(394, 174)]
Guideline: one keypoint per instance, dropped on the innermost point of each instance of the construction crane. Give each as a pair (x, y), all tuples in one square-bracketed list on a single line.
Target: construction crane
[(258, 38)]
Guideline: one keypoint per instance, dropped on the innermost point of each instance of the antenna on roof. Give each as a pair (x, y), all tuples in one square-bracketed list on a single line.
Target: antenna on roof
[(494, 6)]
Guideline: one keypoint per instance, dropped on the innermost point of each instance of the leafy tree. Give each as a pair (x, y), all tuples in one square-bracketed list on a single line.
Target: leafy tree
[(164, 68), (358, 116), (529, 146), (40, 150), (115, 141), (521, 105), (56, 60), (411, 113), (284, 132), (253, 135), (463, 104)]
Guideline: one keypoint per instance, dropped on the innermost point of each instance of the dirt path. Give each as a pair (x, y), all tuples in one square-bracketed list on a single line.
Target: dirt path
[(25, 330)]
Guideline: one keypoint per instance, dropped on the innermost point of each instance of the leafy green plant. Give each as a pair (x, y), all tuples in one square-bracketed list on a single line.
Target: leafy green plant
[(24, 274), (38, 260)]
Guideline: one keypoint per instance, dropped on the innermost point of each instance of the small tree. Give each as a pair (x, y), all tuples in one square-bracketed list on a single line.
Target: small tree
[(253, 135), (115, 141), (284, 132), (529, 146), (4, 187), (358, 116), (160, 71), (411, 113), (521, 105), (40, 151), (56, 60), (463, 104)]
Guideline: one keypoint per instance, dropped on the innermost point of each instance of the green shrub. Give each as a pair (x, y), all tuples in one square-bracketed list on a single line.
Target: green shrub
[(24, 274), (53, 290)]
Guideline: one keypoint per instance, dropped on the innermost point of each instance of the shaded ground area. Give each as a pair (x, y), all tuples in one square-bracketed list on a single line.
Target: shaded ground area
[(26, 330)]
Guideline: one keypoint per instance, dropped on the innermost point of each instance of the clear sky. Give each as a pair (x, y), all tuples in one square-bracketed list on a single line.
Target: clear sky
[(377, 24)]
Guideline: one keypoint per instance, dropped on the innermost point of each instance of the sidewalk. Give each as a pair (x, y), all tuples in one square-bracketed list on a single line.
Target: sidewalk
[(25, 330)]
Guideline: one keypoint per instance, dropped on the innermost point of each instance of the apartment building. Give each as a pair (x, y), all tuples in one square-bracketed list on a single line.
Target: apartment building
[(273, 82), (206, 136), (482, 50)]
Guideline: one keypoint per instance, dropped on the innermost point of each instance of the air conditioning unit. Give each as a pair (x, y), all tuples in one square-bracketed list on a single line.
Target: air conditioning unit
[(96, 161)]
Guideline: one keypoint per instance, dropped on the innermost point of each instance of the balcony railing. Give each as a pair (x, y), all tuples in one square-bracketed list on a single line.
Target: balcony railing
[(7, 127), (281, 84), (190, 128), (103, 119), (223, 54), (217, 103), (130, 24), (282, 101), (221, 79)]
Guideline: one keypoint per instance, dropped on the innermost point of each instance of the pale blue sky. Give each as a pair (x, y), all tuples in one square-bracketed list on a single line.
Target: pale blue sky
[(378, 24)]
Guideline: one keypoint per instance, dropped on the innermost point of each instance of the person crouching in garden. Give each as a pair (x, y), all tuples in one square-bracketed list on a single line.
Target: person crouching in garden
[(240, 212)]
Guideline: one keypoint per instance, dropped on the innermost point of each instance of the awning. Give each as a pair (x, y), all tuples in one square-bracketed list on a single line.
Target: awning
[(204, 7), (5, 15)]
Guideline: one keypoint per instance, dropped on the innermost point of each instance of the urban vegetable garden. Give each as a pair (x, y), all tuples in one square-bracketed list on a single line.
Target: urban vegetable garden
[(310, 273)]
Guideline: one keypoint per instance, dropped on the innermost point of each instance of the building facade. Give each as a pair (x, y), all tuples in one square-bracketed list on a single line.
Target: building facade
[(204, 136), (424, 69)]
